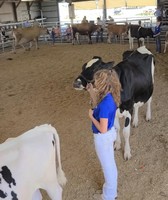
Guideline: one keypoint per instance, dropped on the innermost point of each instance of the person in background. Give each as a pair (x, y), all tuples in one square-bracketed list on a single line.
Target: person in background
[(158, 12), (106, 98), (57, 31), (26, 24), (157, 34), (68, 33), (84, 20), (53, 35), (111, 20), (100, 30)]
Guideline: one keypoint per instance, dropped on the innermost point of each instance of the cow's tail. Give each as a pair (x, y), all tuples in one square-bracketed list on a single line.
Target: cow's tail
[(60, 173)]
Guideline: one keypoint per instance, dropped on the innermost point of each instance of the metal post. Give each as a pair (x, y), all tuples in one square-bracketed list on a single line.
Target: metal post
[(104, 10)]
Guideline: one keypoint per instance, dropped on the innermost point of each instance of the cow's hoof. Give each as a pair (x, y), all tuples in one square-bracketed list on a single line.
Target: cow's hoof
[(148, 118), (135, 124), (127, 156), (117, 146)]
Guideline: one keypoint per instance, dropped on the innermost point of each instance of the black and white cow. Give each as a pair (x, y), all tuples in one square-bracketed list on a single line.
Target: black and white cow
[(136, 31), (136, 75), (28, 163)]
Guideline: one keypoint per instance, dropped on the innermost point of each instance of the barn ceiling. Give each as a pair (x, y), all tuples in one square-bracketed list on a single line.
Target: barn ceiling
[(17, 1), (31, 1)]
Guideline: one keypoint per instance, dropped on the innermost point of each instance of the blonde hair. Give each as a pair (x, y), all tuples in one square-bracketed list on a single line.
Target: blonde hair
[(107, 81)]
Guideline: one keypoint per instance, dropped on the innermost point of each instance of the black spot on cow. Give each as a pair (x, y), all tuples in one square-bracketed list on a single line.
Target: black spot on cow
[(0, 180), (127, 120), (7, 176), (53, 141), (14, 196), (2, 194)]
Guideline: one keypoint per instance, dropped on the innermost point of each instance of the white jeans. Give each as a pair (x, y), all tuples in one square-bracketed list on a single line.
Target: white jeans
[(104, 145)]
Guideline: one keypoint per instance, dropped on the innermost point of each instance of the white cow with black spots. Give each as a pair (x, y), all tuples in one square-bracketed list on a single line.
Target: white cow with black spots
[(28, 163), (136, 75)]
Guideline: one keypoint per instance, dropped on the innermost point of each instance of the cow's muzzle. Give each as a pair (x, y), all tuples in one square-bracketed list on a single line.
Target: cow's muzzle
[(77, 84)]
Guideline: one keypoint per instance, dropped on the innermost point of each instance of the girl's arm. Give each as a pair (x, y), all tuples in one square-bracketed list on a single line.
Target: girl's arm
[(102, 125)]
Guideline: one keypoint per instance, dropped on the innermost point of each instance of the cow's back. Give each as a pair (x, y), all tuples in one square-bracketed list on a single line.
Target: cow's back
[(23, 35), (26, 159), (136, 76), (117, 28), (84, 28)]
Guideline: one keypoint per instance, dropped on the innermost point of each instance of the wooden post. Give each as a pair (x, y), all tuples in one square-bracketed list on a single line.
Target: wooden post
[(14, 12), (28, 10), (2, 3)]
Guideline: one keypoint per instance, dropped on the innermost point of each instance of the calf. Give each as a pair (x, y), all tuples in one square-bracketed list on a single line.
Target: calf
[(135, 73), (136, 31), (27, 35), (83, 29), (28, 162), (166, 41), (116, 29)]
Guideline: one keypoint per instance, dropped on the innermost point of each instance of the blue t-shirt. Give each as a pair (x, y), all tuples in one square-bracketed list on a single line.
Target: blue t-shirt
[(105, 109), (157, 29)]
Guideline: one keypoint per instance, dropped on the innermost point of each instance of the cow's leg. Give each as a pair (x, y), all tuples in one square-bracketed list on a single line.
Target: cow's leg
[(131, 43), (138, 42), (166, 43), (36, 42), (23, 47), (30, 45), (77, 38), (126, 134), (109, 38), (73, 38), (117, 144), (148, 112), (131, 40), (14, 46), (122, 38), (54, 191), (115, 38), (135, 117)]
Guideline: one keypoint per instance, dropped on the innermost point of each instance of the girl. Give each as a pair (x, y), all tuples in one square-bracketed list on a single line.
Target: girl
[(106, 96)]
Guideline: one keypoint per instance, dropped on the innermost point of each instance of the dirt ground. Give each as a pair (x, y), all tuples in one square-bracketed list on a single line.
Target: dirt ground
[(36, 88)]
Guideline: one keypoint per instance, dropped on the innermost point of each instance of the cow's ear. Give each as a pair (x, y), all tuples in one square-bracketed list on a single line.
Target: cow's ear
[(97, 57), (111, 65)]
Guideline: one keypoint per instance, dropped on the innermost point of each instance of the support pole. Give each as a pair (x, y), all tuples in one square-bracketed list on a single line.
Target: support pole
[(14, 12), (104, 10), (28, 10)]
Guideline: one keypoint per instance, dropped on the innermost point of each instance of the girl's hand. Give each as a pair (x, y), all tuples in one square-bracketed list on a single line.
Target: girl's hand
[(90, 113), (89, 87)]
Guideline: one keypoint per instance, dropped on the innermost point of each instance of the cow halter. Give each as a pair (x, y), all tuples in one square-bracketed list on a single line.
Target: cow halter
[(87, 80)]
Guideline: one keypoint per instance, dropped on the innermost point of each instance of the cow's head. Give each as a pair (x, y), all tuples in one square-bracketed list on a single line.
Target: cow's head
[(88, 70), (44, 31)]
